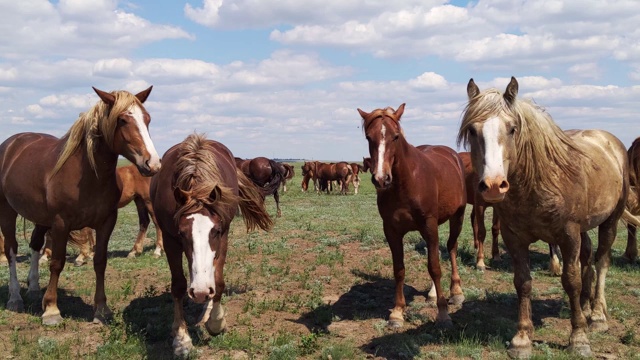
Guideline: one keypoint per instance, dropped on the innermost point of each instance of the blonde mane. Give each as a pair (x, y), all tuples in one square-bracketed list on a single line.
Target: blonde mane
[(197, 176), (543, 150), (98, 122)]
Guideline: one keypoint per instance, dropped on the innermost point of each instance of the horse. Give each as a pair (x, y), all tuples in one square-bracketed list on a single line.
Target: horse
[(633, 202), (309, 173), (266, 174), (355, 178), (133, 187), (418, 188), (477, 222), (366, 164), (327, 172), (70, 183), (195, 196), (552, 185), (288, 174)]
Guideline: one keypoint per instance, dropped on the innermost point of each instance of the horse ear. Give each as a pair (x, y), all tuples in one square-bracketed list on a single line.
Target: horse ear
[(363, 113), (105, 96), (400, 111), (511, 92), (472, 89), (144, 94), (180, 195)]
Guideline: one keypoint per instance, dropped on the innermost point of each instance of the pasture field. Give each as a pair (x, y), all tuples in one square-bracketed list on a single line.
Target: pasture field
[(318, 286)]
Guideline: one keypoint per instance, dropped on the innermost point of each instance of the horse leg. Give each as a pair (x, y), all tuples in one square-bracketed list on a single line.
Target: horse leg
[(631, 253), (554, 262), (276, 196), (216, 322), (46, 250), (59, 236), (394, 239), (480, 233), (495, 231), (85, 242), (181, 340), (3, 257), (455, 227), (430, 233), (520, 346), (143, 223), (606, 236), (586, 295), (159, 244), (103, 233), (8, 225), (36, 244)]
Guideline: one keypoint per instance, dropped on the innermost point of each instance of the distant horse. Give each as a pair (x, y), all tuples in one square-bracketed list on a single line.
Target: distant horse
[(133, 187), (327, 172), (289, 173), (633, 202), (366, 164), (355, 178), (551, 185), (477, 221), (309, 173), (266, 174), (418, 189), (68, 184), (195, 196)]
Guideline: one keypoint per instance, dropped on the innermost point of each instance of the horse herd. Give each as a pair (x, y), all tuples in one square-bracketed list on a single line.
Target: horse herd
[(543, 183)]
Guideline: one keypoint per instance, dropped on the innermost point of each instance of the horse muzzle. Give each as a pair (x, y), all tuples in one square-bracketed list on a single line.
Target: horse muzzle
[(493, 190), (149, 167), (381, 182), (201, 295)]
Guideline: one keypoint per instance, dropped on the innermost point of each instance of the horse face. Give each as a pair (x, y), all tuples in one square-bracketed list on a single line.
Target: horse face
[(200, 233), (492, 144), (382, 131), (132, 140)]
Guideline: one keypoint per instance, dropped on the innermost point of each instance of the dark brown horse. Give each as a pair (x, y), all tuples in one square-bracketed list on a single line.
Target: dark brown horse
[(366, 164), (327, 172), (68, 184), (418, 189), (195, 197), (266, 174), (551, 185)]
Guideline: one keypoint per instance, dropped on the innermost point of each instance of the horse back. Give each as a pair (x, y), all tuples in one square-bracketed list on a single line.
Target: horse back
[(445, 169)]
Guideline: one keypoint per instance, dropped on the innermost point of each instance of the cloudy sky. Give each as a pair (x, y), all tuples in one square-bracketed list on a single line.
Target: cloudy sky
[(283, 78)]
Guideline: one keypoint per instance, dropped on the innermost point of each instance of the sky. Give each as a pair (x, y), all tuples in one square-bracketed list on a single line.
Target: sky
[(284, 78)]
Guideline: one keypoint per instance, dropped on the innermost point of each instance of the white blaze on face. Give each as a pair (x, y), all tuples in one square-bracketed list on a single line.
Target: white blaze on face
[(381, 150), (136, 112), (493, 151), (202, 271)]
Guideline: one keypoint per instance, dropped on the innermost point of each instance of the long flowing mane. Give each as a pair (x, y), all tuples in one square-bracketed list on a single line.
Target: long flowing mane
[(543, 150), (197, 175), (98, 122)]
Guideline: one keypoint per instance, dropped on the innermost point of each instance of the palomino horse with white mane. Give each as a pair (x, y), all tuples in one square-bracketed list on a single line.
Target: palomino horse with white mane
[(195, 196), (418, 189), (68, 184), (551, 185)]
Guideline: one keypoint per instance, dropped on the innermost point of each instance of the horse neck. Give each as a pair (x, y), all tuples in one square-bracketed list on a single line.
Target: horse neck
[(106, 161), (403, 159)]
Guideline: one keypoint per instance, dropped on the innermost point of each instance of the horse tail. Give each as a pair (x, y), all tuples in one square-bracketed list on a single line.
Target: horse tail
[(629, 218), (276, 178), (252, 204)]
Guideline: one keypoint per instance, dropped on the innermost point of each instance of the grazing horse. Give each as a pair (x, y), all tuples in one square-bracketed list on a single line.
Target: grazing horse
[(334, 172), (550, 185), (355, 178), (288, 174), (133, 187), (266, 174), (477, 222), (195, 196), (309, 173), (68, 184), (418, 189), (366, 165)]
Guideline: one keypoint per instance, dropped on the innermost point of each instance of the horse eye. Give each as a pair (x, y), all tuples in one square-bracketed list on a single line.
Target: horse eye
[(122, 121)]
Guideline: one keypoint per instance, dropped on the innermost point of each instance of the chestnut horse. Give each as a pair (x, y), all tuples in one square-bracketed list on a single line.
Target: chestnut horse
[(366, 165), (550, 185), (266, 174), (418, 189), (195, 196), (355, 178), (477, 222), (327, 172), (68, 184), (308, 173), (133, 187)]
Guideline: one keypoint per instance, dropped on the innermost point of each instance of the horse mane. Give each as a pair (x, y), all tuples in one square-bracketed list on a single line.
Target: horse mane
[(197, 175), (98, 122), (378, 113), (543, 150)]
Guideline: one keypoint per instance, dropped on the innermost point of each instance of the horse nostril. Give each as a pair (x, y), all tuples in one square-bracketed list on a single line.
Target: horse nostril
[(147, 164), (504, 185), (191, 293), (482, 187), (211, 292)]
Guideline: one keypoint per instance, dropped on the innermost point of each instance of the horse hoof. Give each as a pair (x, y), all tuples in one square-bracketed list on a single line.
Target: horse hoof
[(15, 305), (216, 327), (444, 324), (102, 317), (51, 320), (599, 326), (456, 300), (132, 255), (78, 263), (181, 349), (583, 350), (157, 253), (3, 260), (519, 352), (481, 268), (395, 323)]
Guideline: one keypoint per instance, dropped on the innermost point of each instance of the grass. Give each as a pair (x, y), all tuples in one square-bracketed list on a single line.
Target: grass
[(318, 286)]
